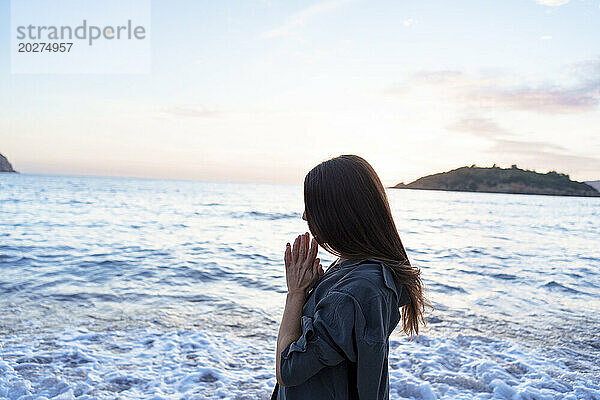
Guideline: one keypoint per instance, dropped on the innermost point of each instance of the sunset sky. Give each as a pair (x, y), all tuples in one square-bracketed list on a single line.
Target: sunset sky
[(262, 90)]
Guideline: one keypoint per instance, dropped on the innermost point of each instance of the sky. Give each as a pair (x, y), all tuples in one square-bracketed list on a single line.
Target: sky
[(263, 90)]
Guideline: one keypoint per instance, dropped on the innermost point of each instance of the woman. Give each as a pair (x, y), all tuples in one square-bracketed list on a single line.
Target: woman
[(333, 338)]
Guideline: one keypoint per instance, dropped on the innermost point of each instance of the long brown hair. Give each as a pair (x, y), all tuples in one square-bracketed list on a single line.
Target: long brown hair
[(348, 213)]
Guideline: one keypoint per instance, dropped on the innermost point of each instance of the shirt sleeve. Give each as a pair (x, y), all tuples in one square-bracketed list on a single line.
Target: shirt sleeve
[(327, 339)]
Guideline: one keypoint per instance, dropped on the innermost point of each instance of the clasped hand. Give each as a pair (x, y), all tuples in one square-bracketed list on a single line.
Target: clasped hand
[(302, 267)]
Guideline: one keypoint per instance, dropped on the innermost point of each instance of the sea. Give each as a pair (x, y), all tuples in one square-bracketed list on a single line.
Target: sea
[(119, 288)]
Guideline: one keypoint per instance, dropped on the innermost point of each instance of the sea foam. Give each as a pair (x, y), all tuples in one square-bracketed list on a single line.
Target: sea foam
[(193, 364)]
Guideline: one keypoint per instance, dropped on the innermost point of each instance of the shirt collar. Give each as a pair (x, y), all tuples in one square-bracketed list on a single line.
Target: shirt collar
[(388, 278), (351, 262)]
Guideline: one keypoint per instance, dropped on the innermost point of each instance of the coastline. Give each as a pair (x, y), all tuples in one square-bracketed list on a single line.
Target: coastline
[(498, 192)]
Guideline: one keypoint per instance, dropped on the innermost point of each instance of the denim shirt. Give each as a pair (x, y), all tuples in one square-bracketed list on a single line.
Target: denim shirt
[(346, 323)]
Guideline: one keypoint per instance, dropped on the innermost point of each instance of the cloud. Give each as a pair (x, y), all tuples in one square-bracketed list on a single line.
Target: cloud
[(538, 154), (551, 99), (523, 147), (447, 79), (475, 102), (445, 76), (545, 156), (482, 127), (302, 18), (489, 129), (581, 95), (408, 22), (546, 37), (500, 137), (193, 112), (552, 3)]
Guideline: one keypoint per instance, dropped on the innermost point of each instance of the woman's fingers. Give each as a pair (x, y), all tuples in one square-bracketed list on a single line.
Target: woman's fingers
[(295, 250), (303, 269), (314, 268), (302, 255), (314, 247), (304, 250), (287, 257), (307, 244)]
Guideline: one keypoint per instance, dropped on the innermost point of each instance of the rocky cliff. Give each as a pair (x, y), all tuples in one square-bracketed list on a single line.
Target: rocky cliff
[(5, 165)]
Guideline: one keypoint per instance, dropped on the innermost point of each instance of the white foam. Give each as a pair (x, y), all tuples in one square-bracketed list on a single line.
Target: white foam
[(467, 367), (136, 365), (194, 364)]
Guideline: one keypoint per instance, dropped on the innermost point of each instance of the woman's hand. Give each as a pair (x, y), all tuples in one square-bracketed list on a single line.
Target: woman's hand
[(302, 268)]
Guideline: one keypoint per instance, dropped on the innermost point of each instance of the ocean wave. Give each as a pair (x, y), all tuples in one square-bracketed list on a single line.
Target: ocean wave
[(445, 288), (506, 277), (151, 364), (553, 285), (265, 215)]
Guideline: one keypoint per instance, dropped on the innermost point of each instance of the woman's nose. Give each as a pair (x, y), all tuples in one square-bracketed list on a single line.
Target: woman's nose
[(304, 215)]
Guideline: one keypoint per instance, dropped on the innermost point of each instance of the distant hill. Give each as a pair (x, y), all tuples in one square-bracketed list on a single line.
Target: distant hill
[(502, 180), (5, 166), (594, 184)]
